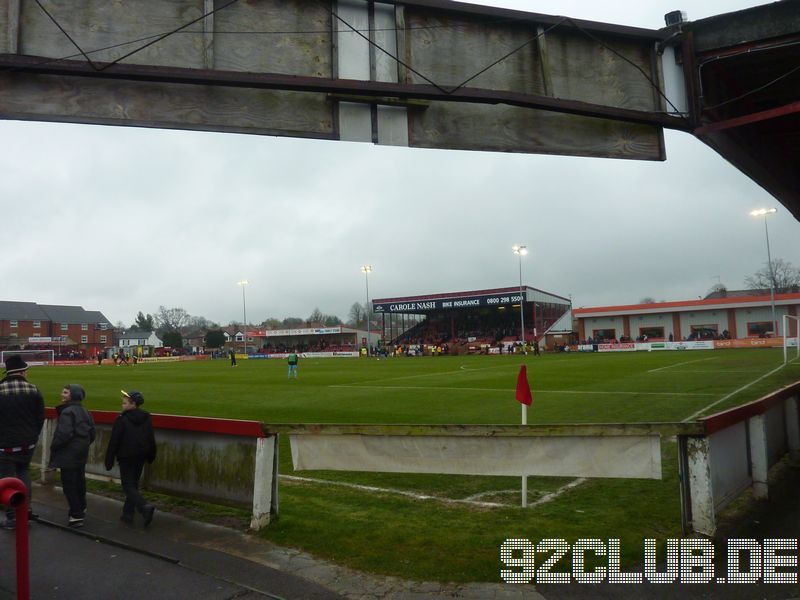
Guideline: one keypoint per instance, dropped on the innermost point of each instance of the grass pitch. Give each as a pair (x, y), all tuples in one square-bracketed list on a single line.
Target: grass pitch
[(452, 537)]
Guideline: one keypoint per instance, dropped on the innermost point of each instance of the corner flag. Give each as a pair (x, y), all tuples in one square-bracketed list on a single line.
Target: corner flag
[(524, 395)]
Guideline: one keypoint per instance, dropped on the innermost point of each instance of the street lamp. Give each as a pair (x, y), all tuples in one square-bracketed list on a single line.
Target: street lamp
[(366, 270), (765, 212), (244, 283), (521, 251)]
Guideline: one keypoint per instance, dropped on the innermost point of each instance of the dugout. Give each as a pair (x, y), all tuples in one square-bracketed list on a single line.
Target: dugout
[(479, 317)]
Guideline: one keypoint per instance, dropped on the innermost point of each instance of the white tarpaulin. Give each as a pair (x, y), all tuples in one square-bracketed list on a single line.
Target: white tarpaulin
[(628, 456)]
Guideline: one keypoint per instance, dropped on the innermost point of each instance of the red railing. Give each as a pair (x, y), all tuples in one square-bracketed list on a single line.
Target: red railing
[(14, 494)]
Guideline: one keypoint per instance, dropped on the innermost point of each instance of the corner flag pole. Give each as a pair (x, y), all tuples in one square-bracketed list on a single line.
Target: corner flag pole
[(525, 398), (524, 477)]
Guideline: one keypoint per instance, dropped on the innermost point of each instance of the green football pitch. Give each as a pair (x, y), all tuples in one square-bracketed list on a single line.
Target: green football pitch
[(447, 527), (567, 388)]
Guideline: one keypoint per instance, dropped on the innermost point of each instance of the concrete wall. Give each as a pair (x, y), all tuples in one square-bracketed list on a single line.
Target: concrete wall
[(736, 452), (217, 460)]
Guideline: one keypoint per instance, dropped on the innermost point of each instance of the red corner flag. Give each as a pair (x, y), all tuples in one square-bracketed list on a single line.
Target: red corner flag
[(524, 395)]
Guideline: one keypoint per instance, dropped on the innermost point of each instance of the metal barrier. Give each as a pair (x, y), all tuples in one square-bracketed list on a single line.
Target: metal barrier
[(14, 494)]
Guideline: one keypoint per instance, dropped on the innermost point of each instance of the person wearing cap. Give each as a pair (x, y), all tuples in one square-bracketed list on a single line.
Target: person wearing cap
[(69, 450), (21, 420), (132, 444)]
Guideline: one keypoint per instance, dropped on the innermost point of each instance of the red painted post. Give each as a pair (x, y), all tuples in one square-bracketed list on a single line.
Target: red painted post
[(14, 494)]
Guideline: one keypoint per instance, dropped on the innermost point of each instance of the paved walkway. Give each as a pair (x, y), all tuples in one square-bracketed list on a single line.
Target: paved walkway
[(180, 558)]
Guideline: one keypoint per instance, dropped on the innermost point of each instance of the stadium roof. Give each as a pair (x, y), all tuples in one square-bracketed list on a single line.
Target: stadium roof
[(505, 290), (294, 331), (704, 304), (458, 300)]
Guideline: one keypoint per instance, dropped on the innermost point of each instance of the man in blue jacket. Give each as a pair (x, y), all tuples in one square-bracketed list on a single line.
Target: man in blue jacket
[(21, 420)]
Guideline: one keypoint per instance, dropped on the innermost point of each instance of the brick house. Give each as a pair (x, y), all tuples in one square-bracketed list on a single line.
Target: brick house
[(86, 330)]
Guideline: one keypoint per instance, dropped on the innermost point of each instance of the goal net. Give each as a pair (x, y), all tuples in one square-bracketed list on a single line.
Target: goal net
[(791, 337), (34, 358)]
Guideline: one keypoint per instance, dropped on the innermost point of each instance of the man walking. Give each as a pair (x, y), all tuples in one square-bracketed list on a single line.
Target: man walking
[(21, 420)]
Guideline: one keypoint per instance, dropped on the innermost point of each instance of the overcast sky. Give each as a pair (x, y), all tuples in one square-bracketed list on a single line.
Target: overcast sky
[(123, 220)]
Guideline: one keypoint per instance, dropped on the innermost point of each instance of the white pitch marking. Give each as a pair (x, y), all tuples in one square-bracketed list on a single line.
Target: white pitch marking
[(739, 371), (370, 488), (733, 393), (688, 362), (553, 495), (543, 500), (444, 373), (511, 390), (460, 371), (471, 500)]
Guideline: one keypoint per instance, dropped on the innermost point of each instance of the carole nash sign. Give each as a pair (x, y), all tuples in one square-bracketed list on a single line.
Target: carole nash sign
[(446, 303)]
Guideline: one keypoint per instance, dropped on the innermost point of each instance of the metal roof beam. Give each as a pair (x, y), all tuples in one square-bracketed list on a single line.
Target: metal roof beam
[(235, 79)]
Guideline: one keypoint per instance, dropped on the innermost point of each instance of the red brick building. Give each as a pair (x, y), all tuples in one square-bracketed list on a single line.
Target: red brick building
[(61, 327)]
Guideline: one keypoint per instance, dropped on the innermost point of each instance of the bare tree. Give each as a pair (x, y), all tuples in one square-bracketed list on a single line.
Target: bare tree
[(647, 300), (201, 323), (171, 319), (357, 313), (784, 277), (718, 288), (316, 317), (331, 321)]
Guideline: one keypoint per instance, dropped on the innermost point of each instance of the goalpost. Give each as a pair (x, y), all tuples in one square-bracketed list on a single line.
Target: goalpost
[(791, 342), (34, 358)]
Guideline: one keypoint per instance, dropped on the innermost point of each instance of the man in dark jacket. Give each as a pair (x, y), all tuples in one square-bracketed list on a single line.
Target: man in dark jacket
[(21, 420), (132, 443), (74, 434)]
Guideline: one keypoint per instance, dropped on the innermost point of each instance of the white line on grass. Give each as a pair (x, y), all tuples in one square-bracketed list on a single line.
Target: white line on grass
[(688, 362), (441, 374), (543, 500), (511, 390), (564, 488), (370, 488), (733, 393), (739, 371), (461, 370), (471, 500)]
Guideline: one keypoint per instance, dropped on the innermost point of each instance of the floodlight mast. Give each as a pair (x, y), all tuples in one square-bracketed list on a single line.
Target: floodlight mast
[(758, 213), (521, 250), (244, 283), (366, 270)]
